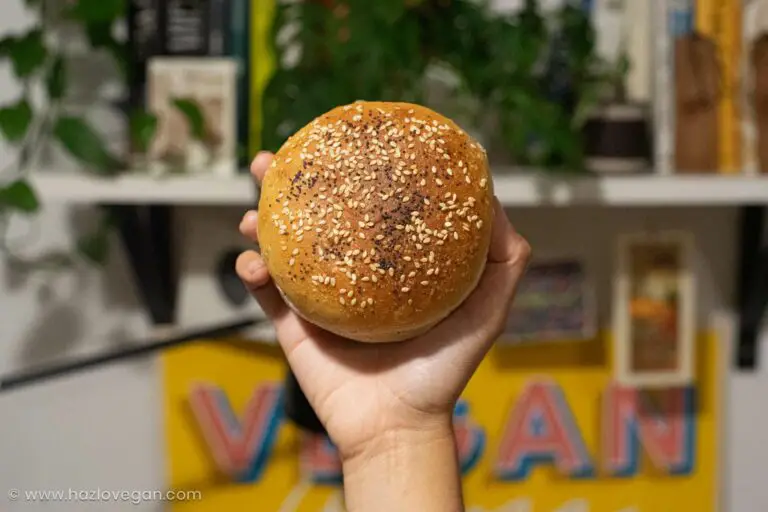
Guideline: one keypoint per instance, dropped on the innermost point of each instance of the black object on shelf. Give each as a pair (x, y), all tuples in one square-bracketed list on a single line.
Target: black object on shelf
[(753, 284), (297, 407), (617, 139)]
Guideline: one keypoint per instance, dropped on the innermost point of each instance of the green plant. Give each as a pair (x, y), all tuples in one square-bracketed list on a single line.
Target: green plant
[(37, 57), (535, 75)]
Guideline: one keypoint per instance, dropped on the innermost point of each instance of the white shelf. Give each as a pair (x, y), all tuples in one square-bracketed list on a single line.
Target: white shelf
[(512, 190)]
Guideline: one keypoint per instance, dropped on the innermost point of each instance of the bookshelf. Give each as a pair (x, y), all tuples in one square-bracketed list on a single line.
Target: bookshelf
[(513, 189)]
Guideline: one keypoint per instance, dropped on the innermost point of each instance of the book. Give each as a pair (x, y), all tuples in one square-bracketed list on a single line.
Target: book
[(666, 21), (262, 65), (210, 83), (219, 27), (185, 27), (754, 87), (144, 41), (720, 20), (697, 92), (237, 46)]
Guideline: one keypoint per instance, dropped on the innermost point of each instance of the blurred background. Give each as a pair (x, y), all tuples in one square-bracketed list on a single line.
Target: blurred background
[(627, 140)]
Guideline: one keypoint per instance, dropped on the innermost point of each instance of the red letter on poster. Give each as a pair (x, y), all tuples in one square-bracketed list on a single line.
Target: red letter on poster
[(666, 431), (239, 447), (540, 429)]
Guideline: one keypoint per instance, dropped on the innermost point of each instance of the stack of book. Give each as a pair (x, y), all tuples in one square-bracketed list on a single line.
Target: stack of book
[(213, 53), (701, 69)]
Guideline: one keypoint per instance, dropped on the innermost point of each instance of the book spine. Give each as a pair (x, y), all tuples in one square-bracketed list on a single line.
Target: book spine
[(238, 47), (754, 27), (671, 18), (144, 41), (219, 27), (262, 66), (185, 27), (720, 20)]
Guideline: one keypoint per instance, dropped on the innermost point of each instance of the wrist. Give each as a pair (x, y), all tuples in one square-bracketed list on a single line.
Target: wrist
[(396, 435), (414, 468)]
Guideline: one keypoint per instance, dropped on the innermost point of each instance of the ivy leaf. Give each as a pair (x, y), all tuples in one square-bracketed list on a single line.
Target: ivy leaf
[(143, 126), (97, 11), (15, 120), (20, 196), (100, 37), (194, 116), (94, 246), (27, 53), (56, 81), (83, 143)]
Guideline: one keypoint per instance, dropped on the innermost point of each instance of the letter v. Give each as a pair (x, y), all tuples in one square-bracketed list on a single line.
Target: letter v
[(240, 448)]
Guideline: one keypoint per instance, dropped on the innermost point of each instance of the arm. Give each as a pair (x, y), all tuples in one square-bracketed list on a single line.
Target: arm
[(405, 470)]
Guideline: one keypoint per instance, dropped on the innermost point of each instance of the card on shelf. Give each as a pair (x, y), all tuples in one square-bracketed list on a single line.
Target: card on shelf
[(211, 84), (554, 302), (654, 310)]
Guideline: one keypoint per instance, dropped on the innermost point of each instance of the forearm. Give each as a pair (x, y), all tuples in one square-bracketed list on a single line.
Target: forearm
[(405, 471)]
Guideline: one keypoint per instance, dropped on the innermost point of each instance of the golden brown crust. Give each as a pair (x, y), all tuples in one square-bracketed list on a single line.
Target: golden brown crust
[(375, 219)]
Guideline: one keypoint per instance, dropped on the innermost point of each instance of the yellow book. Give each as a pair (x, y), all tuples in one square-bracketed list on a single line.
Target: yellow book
[(262, 66), (721, 21)]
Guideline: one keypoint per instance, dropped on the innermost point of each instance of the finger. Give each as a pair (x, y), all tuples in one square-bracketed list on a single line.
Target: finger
[(255, 276), (249, 226), (506, 243), (260, 165)]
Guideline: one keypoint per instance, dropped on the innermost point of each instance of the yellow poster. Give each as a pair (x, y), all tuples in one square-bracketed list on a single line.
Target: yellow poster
[(540, 428)]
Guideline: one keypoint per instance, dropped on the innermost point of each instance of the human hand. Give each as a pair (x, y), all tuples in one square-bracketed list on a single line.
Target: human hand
[(363, 392)]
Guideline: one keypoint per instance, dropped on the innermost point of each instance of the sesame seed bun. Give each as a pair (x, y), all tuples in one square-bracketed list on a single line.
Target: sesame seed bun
[(375, 220)]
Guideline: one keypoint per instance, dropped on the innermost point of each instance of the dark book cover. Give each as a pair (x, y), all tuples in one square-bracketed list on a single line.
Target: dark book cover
[(185, 27), (219, 27), (144, 41), (237, 46)]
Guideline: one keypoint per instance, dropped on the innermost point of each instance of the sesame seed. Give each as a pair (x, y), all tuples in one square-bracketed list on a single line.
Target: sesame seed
[(405, 289)]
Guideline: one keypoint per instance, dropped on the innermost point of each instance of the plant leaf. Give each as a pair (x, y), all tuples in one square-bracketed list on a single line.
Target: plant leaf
[(94, 246), (143, 126), (194, 116), (15, 120), (56, 81), (20, 196), (83, 143), (96, 11), (27, 53)]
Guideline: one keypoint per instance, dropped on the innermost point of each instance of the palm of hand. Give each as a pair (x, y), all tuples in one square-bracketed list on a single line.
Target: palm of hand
[(359, 390)]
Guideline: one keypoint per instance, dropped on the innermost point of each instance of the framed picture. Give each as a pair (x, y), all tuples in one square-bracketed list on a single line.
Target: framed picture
[(211, 84), (654, 310), (554, 302)]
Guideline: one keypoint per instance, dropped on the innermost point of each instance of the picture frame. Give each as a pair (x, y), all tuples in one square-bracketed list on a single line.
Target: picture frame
[(654, 312), (211, 83), (555, 301)]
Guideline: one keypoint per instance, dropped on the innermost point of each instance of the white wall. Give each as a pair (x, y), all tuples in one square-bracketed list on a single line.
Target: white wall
[(100, 429), (103, 429)]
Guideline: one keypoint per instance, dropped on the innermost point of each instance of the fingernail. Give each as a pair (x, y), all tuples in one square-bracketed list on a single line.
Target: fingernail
[(251, 217), (255, 267)]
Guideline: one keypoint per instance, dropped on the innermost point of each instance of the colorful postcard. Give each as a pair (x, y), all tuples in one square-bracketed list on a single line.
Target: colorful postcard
[(654, 310), (554, 302), (211, 84)]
